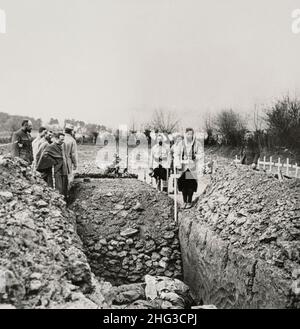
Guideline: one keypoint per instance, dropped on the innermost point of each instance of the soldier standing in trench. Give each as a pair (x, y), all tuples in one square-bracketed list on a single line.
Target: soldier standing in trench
[(22, 142)]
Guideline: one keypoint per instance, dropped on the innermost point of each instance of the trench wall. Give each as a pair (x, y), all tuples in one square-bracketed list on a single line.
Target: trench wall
[(240, 244), (128, 230)]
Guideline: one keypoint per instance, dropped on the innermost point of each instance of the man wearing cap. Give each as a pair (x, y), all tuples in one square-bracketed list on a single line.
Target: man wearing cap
[(22, 142), (70, 149)]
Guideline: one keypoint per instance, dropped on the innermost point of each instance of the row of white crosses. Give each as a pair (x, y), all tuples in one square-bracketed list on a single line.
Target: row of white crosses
[(268, 166)]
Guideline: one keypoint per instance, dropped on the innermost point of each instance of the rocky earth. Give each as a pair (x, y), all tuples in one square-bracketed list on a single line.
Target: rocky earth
[(42, 259), (128, 230), (241, 243), (42, 264), (4, 150), (154, 293)]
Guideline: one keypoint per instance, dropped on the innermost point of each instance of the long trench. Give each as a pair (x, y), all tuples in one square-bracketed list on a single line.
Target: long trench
[(128, 230)]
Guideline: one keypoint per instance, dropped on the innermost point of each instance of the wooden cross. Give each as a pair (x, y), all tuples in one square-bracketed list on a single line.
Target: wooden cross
[(287, 166), (296, 169), (271, 164), (278, 165), (236, 161), (259, 163), (263, 163)]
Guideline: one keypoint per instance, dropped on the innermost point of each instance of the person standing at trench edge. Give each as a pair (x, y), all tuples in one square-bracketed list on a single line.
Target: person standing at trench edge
[(71, 153), (22, 142), (53, 165), (160, 161), (187, 183)]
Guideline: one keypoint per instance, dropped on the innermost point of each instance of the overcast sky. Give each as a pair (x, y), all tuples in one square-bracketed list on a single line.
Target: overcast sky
[(109, 61)]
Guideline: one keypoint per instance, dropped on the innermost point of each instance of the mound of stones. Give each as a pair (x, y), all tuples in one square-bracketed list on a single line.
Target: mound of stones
[(128, 230), (241, 244), (42, 259), (156, 292), (42, 263)]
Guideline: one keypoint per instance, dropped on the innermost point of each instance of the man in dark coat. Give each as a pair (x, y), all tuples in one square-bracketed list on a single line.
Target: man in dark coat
[(53, 163), (22, 142), (250, 150), (48, 140)]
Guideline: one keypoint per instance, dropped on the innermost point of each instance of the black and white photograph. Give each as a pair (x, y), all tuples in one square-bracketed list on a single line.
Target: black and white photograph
[(149, 157)]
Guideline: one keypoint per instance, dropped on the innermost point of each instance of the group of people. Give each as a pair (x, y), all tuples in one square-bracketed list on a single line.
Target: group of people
[(54, 155), (180, 159)]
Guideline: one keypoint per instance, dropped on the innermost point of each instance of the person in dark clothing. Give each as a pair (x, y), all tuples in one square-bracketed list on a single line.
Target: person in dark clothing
[(187, 183), (250, 151), (48, 141), (22, 142), (53, 164), (160, 163)]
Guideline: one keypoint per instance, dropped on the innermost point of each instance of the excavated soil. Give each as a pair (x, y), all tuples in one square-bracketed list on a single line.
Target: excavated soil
[(43, 262), (128, 230), (241, 244)]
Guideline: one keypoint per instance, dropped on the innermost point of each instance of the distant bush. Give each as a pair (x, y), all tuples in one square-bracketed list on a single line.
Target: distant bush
[(10, 123), (283, 120), (230, 128)]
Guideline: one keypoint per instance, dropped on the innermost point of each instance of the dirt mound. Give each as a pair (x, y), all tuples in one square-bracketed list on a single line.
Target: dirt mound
[(4, 149), (42, 264), (154, 293), (246, 235), (128, 230), (255, 212)]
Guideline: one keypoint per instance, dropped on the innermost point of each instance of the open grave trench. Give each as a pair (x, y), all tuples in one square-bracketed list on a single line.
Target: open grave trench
[(238, 247), (233, 250), (127, 229), (119, 248)]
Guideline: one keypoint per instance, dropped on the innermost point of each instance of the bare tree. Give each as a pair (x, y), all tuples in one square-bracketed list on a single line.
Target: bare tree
[(164, 121), (283, 121), (231, 127), (209, 128)]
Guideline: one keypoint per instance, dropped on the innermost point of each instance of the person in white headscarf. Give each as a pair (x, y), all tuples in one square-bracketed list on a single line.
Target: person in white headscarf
[(176, 152), (160, 162), (187, 183)]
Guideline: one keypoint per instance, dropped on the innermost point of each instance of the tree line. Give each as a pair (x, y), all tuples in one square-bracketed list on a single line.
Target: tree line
[(10, 123), (277, 126)]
